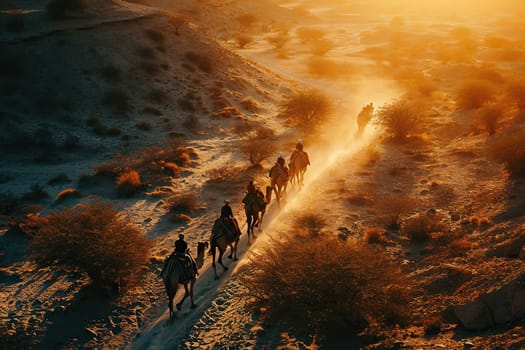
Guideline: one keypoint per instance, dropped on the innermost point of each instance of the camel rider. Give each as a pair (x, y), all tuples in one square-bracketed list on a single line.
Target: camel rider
[(183, 259), (253, 194), (280, 165), (228, 219), (298, 150), (181, 246), (250, 188)]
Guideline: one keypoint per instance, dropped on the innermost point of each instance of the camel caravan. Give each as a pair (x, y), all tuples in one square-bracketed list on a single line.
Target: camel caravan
[(181, 268)]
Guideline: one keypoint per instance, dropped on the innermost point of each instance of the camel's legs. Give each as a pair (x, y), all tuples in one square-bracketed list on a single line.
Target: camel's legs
[(186, 293)]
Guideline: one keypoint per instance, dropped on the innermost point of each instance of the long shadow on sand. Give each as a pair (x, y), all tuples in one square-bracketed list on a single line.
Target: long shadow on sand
[(63, 326)]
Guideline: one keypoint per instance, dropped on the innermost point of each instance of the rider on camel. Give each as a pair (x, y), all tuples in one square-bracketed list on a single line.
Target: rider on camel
[(298, 150), (280, 166), (183, 259), (228, 219)]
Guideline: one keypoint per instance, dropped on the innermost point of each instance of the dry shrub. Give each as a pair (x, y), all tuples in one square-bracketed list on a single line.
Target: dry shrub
[(185, 203), (473, 93), (306, 110), (68, 193), (310, 223), (509, 149), (172, 169), (128, 183), (375, 235), (419, 228), (516, 92), (489, 116), (480, 222), (400, 118), (250, 104), (203, 62), (93, 238), (57, 9), (243, 40), (289, 278), (257, 149), (392, 207)]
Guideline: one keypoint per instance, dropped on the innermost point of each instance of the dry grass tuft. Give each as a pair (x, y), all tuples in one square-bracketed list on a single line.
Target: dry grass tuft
[(185, 203), (489, 116), (68, 193), (419, 228), (392, 207), (172, 169), (432, 325), (93, 238), (312, 224), (289, 278), (375, 235), (128, 183), (473, 93), (509, 149)]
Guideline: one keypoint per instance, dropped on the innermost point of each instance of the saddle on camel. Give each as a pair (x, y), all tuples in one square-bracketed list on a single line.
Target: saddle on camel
[(228, 221), (181, 262)]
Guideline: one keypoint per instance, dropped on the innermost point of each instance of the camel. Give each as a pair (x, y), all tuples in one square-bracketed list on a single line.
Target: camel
[(174, 267), (364, 117), (298, 163), (279, 181), (255, 209), (222, 238)]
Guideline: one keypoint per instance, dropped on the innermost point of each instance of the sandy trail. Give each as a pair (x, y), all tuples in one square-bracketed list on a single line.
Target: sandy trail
[(214, 297)]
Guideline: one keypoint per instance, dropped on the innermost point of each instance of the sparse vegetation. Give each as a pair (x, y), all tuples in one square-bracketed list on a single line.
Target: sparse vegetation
[(400, 118), (93, 238), (285, 278), (306, 110), (128, 183), (310, 223), (489, 116), (419, 228), (472, 94), (185, 203), (257, 149), (375, 235), (392, 207), (509, 149)]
